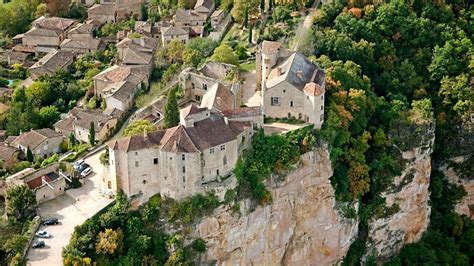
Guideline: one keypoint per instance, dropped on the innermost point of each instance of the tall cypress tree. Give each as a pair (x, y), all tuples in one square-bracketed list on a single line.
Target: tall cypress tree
[(171, 110), (262, 6), (246, 17), (29, 155), (92, 134), (250, 33)]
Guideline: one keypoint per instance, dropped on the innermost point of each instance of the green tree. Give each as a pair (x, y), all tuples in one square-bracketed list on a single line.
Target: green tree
[(139, 127), (21, 205), (15, 244), (72, 140), (92, 134), (192, 57), (250, 33), (225, 54), (244, 6), (187, 4), (48, 115), (171, 110), (246, 18), (109, 242), (22, 115), (29, 155), (174, 51)]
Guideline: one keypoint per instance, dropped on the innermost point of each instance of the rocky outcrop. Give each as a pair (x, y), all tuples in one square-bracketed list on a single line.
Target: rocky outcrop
[(466, 205), (300, 227), (409, 197)]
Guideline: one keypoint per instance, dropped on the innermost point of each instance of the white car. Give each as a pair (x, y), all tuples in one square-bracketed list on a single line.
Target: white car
[(77, 164), (86, 172), (42, 234)]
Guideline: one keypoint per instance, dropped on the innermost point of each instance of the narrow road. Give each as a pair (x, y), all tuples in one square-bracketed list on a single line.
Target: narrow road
[(304, 26)]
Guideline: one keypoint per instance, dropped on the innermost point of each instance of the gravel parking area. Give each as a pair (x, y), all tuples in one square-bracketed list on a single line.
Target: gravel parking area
[(72, 209)]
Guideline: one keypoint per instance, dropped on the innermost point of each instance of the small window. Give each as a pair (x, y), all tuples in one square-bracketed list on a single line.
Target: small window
[(222, 147), (204, 87), (136, 163), (144, 181), (184, 169), (275, 101), (291, 103), (184, 179), (171, 158), (322, 107), (183, 157), (136, 153), (211, 150), (155, 160), (198, 98), (202, 177), (192, 85), (307, 97), (224, 160), (217, 171), (322, 97), (284, 91)]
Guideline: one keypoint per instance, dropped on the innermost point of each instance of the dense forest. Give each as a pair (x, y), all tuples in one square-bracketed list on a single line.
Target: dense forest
[(395, 70)]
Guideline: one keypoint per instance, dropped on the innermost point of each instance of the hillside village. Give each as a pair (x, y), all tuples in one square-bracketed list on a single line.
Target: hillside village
[(175, 132)]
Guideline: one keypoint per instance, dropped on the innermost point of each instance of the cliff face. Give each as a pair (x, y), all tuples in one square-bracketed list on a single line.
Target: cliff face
[(301, 226), (466, 205), (387, 235)]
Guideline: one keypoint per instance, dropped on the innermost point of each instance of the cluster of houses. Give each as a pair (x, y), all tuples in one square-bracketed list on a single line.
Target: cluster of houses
[(201, 152)]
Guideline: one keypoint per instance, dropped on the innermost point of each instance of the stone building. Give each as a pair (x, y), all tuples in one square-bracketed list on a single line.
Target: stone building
[(217, 83), (42, 142), (82, 31), (174, 33), (180, 161), (111, 11), (82, 46), (137, 52), (292, 86), (51, 63), (47, 33)]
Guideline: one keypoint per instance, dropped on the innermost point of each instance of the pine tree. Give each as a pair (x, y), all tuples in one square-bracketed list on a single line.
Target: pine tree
[(171, 110), (92, 134), (29, 155)]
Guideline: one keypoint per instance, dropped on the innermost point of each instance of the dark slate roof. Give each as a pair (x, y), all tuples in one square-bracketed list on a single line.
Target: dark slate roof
[(137, 142), (53, 61), (53, 23), (35, 137)]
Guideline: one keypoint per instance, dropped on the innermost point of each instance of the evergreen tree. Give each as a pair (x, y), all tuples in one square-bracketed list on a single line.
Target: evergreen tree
[(29, 155), (171, 110), (262, 6), (92, 134), (246, 17), (270, 5), (72, 140)]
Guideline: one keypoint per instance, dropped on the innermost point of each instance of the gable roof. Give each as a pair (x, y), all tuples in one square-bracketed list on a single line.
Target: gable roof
[(35, 137), (174, 30), (53, 61), (269, 47), (7, 152), (102, 9), (43, 32), (187, 16), (120, 90), (138, 51), (218, 97), (85, 117), (82, 29), (204, 3), (137, 142), (190, 110), (118, 73), (296, 70), (53, 23), (91, 43)]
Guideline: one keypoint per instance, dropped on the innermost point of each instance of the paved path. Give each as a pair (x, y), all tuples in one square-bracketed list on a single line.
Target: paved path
[(72, 209), (250, 97), (305, 26)]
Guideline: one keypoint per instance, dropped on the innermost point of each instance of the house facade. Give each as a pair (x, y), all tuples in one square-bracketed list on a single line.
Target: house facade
[(292, 86), (180, 161), (174, 33), (42, 142)]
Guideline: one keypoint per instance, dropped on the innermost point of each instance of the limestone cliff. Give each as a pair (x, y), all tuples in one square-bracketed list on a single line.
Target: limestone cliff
[(466, 205), (302, 225), (409, 197)]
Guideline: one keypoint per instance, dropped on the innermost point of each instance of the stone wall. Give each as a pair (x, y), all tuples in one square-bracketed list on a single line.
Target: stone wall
[(300, 227)]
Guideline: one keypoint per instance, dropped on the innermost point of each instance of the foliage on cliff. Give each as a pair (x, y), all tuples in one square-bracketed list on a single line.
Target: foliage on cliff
[(395, 70), (120, 235), (270, 155)]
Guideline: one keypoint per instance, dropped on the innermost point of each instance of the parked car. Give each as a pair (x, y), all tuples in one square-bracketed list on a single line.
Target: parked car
[(51, 221), (77, 164), (86, 172), (83, 167), (42, 234), (38, 244)]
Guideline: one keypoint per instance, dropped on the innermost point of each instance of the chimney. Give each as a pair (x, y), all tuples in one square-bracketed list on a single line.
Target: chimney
[(299, 73)]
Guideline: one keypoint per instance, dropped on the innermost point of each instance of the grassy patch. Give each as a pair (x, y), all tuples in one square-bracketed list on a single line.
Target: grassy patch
[(248, 67)]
